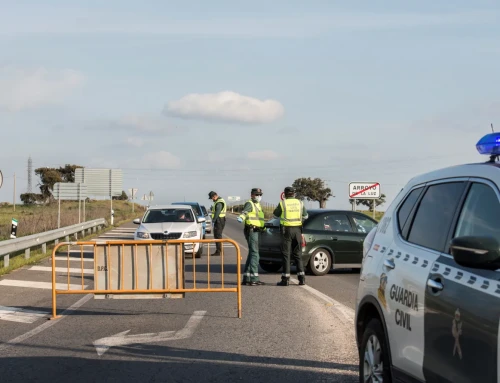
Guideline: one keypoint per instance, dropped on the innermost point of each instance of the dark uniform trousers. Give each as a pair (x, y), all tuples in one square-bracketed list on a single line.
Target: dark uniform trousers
[(291, 246), (218, 228)]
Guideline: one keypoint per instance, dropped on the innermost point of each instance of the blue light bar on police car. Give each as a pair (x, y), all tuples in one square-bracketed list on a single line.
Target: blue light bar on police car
[(489, 144)]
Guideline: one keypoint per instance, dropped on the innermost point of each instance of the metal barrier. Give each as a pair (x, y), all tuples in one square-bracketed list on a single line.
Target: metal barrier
[(12, 246), (142, 269)]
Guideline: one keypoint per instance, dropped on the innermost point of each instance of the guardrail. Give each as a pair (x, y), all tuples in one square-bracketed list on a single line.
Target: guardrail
[(12, 246)]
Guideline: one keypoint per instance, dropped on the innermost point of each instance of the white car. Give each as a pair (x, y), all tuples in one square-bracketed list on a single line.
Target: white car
[(428, 302), (166, 222)]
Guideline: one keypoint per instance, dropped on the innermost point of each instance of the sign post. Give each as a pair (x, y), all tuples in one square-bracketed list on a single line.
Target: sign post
[(13, 229), (1, 179), (132, 193), (364, 190)]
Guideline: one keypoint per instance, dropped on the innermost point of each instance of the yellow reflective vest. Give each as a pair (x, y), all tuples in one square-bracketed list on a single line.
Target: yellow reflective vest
[(224, 208), (254, 217), (291, 212)]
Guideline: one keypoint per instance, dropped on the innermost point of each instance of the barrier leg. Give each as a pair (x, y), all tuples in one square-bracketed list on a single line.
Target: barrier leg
[(238, 274), (54, 295)]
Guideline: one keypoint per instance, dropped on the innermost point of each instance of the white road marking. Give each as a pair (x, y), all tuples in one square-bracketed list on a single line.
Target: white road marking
[(122, 339), (73, 259), (346, 312), (38, 285), (72, 270), (21, 315), (46, 325)]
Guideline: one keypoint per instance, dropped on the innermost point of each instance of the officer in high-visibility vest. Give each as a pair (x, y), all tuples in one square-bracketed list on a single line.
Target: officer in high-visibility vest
[(291, 213), (218, 219), (253, 218)]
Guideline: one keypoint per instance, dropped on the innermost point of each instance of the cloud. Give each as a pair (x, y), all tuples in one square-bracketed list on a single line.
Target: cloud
[(134, 141), (263, 155), (225, 106), (161, 160), (22, 89)]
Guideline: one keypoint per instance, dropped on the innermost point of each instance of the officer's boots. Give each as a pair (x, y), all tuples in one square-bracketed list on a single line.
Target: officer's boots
[(285, 281), (302, 280)]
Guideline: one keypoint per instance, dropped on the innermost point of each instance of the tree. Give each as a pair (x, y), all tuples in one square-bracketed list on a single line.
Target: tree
[(122, 197), (50, 176), (30, 198), (312, 190), (369, 202)]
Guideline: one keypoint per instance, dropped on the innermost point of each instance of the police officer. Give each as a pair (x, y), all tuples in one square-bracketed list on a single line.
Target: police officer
[(253, 218), (291, 213), (218, 219)]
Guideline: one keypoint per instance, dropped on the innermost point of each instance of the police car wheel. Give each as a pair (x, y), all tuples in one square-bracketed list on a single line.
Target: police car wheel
[(320, 262), (373, 355), (270, 267)]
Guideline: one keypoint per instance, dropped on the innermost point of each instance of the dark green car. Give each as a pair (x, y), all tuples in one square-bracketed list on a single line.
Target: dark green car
[(331, 239)]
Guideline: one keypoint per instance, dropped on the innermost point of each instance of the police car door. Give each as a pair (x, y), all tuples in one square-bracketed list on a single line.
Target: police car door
[(424, 219), (463, 304)]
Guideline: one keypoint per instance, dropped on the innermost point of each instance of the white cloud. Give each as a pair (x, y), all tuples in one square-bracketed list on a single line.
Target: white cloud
[(263, 155), (225, 107), (135, 141), (161, 160), (26, 89)]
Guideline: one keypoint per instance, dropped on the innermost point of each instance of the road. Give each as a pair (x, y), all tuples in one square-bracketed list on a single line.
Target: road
[(292, 334)]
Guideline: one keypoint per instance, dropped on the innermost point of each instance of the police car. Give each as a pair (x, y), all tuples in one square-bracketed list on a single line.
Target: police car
[(428, 302)]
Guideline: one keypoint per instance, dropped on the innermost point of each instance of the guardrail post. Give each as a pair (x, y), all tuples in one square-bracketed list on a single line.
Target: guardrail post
[(27, 253), (6, 260), (56, 242), (44, 248), (93, 230), (67, 238)]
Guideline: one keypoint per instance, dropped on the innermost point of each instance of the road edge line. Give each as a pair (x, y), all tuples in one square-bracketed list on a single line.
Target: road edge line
[(346, 312)]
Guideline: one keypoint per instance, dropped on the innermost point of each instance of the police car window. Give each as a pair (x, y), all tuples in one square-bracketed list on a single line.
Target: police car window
[(405, 209), (434, 215), (363, 224), (479, 216)]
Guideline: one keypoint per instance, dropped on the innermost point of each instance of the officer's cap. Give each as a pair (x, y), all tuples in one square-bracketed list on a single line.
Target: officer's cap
[(211, 194), (256, 191), (289, 190)]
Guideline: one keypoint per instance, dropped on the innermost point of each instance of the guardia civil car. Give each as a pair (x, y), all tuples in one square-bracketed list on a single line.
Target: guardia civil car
[(428, 302)]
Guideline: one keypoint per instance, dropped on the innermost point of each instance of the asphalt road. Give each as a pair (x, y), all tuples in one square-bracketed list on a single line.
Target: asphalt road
[(289, 334), (341, 285)]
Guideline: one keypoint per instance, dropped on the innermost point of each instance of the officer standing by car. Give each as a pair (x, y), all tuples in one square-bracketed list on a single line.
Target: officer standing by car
[(253, 218), (291, 213), (218, 219)]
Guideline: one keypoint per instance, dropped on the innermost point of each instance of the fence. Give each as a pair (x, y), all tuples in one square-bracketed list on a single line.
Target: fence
[(14, 246), (138, 269)]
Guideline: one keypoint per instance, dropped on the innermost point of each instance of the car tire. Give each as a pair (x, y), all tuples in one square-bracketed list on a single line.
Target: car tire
[(320, 262), (270, 267), (374, 354)]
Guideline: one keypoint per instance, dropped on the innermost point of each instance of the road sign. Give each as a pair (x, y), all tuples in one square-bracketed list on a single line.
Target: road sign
[(132, 193), (364, 190), (1, 179), (69, 191), (101, 182), (233, 198), (282, 196)]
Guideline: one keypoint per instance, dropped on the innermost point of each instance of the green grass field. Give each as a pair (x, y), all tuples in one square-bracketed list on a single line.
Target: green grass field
[(40, 218)]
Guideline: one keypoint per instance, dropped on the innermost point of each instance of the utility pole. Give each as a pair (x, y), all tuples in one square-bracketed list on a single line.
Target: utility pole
[(14, 199)]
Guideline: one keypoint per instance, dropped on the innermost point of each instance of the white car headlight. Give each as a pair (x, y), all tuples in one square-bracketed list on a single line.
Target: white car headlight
[(190, 234), (142, 235)]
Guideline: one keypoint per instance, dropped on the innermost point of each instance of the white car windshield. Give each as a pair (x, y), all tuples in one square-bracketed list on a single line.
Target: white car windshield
[(168, 215)]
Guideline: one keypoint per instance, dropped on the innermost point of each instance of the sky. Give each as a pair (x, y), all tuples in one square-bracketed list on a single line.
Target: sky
[(192, 96)]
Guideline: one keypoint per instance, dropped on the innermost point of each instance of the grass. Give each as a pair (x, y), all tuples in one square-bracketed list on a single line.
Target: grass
[(40, 218), (34, 219)]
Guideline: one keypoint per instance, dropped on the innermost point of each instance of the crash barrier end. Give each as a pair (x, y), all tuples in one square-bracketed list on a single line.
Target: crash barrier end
[(146, 269)]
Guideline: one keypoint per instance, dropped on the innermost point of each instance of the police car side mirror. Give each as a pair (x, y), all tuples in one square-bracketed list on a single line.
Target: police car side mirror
[(137, 221), (476, 252)]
